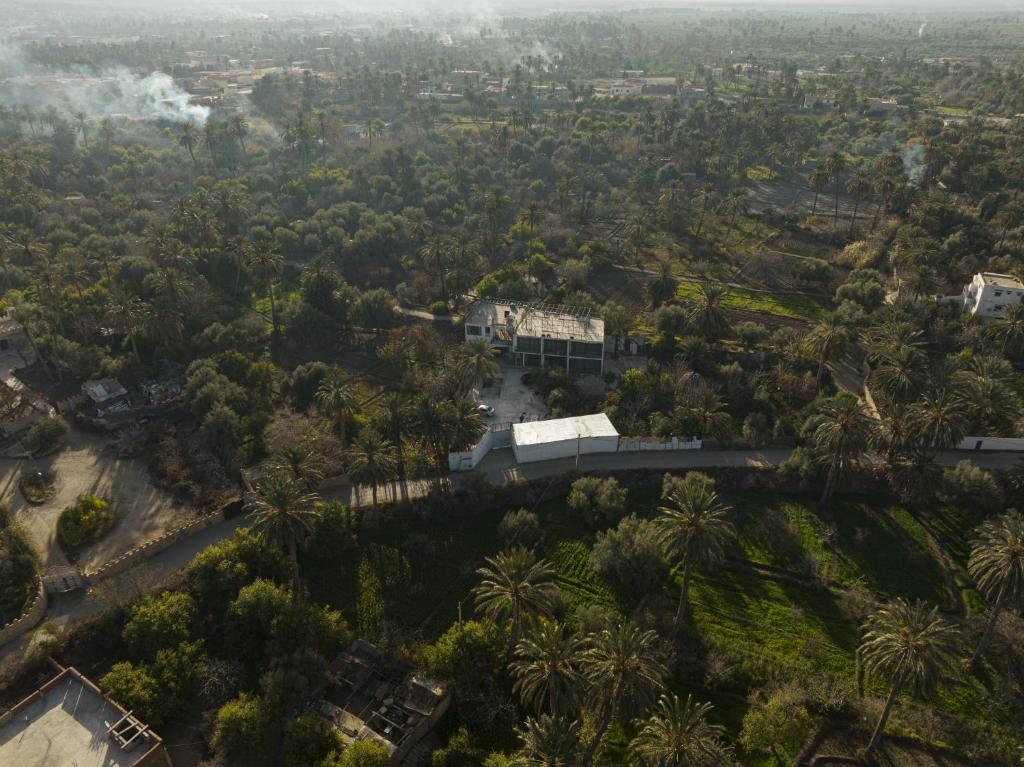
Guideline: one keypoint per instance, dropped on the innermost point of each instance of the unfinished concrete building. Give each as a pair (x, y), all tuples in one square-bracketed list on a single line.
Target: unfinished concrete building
[(540, 335), (371, 697), (68, 722)]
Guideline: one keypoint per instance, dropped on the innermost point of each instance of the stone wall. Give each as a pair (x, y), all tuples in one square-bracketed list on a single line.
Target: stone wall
[(145, 550), (29, 619)]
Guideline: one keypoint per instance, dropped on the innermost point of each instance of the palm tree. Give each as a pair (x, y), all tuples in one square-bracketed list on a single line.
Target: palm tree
[(858, 187), (283, 513), (706, 197), (516, 589), (623, 669), (939, 419), (693, 529), (301, 463), (997, 566), (817, 180), (618, 323), (395, 421), (707, 316), (336, 401), (239, 128), (464, 426), (547, 741), (662, 287), (546, 669), (1009, 328), (840, 437), (267, 267), (371, 460), (677, 734), (188, 137), (478, 362), (827, 340), (128, 312), (906, 645), (835, 166)]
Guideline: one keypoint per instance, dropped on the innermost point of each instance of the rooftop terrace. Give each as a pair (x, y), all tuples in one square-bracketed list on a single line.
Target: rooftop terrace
[(68, 722)]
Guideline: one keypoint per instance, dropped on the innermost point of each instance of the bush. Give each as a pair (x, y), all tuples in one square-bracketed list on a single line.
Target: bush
[(439, 307), (968, 487), (631, 555), (519, 528), (84, 522), (600, 501), (159, 622), (243, 728), (46, 433)]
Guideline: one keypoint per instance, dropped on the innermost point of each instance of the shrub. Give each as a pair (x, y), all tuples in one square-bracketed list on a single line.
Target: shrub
[(159, 622), (46, 433), (84, 522), (439, 307), (968, 487), (600, 501), (242, 732), (631, 555), (519, 528)]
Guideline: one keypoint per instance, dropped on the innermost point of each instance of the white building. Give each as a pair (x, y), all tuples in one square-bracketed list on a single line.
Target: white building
[(988, 294), (564, 438), (540, 335)]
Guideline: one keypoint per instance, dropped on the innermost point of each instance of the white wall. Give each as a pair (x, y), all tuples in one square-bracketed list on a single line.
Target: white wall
[(467, 460), (635, 445), (546, 451), (1006, 444)]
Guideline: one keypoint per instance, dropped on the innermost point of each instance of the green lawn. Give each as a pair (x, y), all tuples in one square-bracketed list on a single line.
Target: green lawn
[(878, 545), (783, 304)]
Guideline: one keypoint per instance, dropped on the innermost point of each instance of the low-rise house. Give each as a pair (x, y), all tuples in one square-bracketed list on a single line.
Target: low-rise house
[(988, 294), (539, 335), (69, 722), (105, 396), (372, 697), (19, 407)]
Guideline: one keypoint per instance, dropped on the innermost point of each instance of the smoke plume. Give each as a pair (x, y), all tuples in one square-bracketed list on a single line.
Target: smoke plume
[(113, 91)]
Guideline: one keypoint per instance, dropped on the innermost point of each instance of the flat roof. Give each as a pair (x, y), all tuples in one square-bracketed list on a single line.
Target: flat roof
[(1001, 280), (562, 322), (540, 322), (65, 724), (562, 429)]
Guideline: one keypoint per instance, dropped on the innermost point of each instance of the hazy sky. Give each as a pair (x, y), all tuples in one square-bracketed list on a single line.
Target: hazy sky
[(290, 7)]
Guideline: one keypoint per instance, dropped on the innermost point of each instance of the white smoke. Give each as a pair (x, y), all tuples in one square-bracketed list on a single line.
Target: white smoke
[(111, 91), (920, 29)]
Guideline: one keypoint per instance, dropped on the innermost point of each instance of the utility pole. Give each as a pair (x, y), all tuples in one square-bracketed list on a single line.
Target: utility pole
[(578, 436)]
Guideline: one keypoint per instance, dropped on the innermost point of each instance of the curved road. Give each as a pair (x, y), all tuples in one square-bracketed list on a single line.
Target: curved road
[(499, 467)]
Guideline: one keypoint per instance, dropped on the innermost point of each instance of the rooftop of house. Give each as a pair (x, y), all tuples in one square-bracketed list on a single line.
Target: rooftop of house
[(1001, 280), (10, 326), (68, 721), (562, 429), (568, 322), (371, 697), (104, 389)]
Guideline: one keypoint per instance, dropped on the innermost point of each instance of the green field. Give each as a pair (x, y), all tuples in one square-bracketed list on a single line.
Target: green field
[(791, 305)]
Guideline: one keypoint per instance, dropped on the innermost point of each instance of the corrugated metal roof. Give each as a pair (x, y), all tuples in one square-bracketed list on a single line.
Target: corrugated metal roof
[(561, 429)]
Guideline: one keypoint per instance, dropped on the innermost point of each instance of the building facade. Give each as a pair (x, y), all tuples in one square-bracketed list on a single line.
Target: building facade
[(540, 335), (988, 294)]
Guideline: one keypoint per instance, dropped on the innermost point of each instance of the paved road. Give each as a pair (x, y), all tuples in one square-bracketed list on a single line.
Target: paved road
[(499, 467)]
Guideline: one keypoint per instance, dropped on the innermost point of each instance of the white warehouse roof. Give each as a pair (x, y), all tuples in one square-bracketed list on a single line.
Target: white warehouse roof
[(562, 429)]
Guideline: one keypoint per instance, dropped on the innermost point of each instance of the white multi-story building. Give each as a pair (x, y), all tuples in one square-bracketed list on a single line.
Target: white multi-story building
[(539, 335), (988, 294)]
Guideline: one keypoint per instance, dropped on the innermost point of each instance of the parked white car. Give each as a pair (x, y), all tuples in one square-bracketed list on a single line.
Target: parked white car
[(485, 410)]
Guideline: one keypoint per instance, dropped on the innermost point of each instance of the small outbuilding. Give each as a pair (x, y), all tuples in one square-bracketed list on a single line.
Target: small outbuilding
[(564, 438)]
